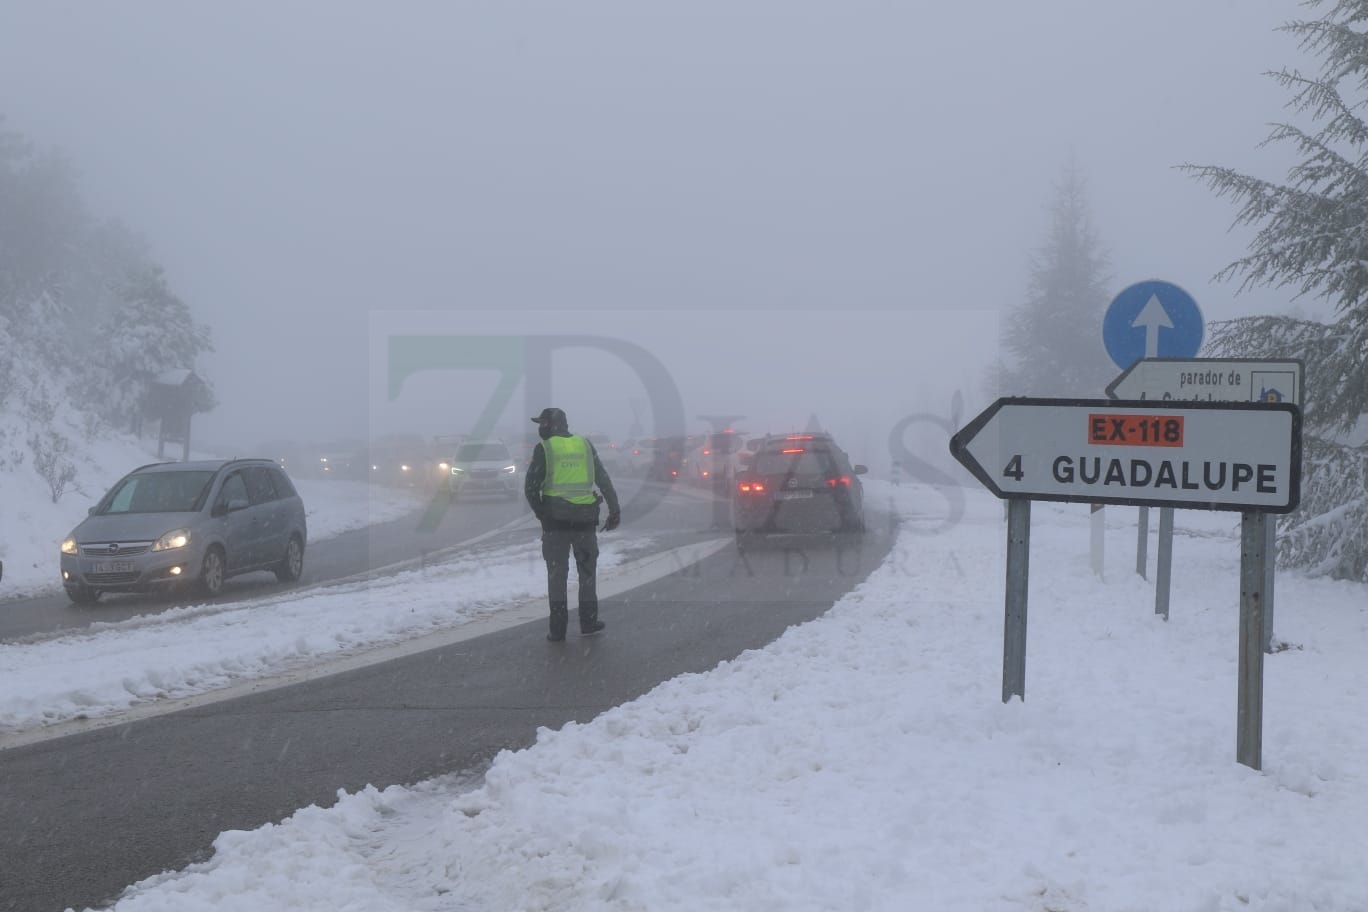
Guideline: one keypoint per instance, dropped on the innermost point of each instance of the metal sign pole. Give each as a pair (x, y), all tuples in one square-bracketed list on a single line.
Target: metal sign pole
[(1163, 570), (1098, 540), (1270, 558), (1249, 712), (1142, 544), (1014, 624)]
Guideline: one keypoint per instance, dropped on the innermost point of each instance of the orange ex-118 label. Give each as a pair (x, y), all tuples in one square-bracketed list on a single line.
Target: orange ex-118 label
[(1136, 430)]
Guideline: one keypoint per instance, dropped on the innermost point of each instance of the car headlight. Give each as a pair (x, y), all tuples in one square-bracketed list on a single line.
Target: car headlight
[(69, 545), (510, 469), (176, 538), (443, 466)]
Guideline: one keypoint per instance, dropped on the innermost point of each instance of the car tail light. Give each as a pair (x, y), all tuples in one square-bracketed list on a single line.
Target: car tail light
[(751, 487), (636, 452), (798, 437), (793, 451), (841, 482)]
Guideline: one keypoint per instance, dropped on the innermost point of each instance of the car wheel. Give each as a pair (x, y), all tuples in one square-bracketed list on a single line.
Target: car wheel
[(211, 572), (292, 564), (81, 594)]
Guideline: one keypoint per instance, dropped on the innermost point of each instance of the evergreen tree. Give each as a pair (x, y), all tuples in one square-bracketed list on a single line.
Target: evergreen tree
[(151, 332), (87, 317), (1052, 342), (1313, 238)]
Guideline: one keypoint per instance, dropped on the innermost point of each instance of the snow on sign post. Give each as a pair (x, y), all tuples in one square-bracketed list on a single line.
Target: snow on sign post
[(1236, 456)]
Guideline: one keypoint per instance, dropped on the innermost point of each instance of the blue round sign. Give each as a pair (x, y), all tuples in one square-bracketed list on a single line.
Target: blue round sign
[(1152, 320)]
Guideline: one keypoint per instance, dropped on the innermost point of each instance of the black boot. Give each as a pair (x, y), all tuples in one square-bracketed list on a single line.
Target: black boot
[(560, 619)]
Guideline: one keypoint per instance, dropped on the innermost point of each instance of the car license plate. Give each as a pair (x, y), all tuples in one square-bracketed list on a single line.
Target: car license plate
[(123, 566), (793, 495)]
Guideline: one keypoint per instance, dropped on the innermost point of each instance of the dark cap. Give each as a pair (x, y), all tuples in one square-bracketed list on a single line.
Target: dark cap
[(552, 416)]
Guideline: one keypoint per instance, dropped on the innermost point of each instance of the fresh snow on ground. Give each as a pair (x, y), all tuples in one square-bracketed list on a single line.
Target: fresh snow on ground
[(863, 761)]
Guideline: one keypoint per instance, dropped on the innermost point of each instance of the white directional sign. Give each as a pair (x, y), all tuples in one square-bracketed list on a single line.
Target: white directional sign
[(1194, 455), (1210, 380)]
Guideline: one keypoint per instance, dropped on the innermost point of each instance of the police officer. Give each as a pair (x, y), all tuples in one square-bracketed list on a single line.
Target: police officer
[(559, 486)]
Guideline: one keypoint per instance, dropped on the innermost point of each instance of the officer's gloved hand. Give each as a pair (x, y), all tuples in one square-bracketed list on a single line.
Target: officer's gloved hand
[(614, 520)]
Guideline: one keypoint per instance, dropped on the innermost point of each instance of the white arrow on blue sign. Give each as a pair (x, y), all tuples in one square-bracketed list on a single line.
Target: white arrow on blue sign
[(1152, 319)]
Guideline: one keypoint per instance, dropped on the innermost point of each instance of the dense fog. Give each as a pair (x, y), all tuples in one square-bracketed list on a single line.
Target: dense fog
[(797, 209)]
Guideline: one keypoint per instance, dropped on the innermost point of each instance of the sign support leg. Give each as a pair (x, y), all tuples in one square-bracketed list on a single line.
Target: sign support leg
[(1097, 540), (1163, 570), (1142, 544), (1249, 713), (1014, 625), (1270, 558)]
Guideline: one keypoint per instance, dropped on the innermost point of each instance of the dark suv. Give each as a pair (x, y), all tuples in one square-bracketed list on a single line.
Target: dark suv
[(798, 483), (187, 522)]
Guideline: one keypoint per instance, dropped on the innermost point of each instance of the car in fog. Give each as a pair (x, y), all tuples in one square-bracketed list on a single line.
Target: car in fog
[(608, 452), (487, 467), (716, 458), (341, 462), (662, 458), (401, 460), (190, 524), (798, 483)]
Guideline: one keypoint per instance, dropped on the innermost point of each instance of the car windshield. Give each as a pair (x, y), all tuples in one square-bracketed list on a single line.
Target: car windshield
[(797, 460), (473, 452), (158, 492)]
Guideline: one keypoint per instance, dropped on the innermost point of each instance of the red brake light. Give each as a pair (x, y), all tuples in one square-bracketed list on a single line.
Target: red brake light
[(843, 481), (636, 452), (798, 437), (707, 452), (751, 487), (793, 450)]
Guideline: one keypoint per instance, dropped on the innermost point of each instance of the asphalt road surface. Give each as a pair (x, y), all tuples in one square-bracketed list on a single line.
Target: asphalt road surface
[(83, 816)]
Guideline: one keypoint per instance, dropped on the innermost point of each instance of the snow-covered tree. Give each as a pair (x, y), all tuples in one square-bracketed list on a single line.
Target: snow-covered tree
[(151, 332), (86, 318), (1052, 341), (1313, 240)]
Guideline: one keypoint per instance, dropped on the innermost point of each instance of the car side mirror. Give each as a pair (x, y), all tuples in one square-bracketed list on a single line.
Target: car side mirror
[(859, 469)]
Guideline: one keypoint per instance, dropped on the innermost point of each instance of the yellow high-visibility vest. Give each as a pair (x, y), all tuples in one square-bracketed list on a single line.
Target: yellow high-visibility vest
[(569, 469)]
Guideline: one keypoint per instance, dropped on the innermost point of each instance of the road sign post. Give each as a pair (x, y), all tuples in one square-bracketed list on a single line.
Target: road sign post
[(1212, 380), (1014, 617), (1236, 456), (1149, 320)]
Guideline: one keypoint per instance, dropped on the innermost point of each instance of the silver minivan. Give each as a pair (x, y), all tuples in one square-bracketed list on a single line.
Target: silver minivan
[(187, 523)]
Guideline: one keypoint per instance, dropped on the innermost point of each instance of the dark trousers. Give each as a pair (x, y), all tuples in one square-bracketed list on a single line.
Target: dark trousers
[(557, 545)]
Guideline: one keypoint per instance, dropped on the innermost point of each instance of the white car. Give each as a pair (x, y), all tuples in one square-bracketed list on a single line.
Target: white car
[(484, 468)]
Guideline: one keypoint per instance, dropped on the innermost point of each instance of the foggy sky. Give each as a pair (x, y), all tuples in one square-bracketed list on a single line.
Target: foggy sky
[(298, 167)]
